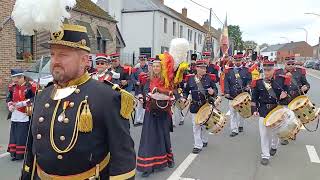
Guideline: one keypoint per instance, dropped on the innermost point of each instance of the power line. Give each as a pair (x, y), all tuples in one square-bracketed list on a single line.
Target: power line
[(213, 13)]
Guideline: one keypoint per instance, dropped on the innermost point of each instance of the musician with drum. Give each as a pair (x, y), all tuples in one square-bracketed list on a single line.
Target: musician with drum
[(236, 81), (267, 94), (202, 88)]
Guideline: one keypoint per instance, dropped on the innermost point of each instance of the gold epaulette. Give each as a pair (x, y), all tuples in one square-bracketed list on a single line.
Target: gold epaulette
[(127, 104)]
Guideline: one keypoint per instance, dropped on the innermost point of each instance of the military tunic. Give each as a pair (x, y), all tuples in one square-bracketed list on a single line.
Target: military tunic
[(54, 130)]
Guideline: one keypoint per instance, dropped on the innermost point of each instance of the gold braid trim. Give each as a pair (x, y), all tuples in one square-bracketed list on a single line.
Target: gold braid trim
[(127, 104)]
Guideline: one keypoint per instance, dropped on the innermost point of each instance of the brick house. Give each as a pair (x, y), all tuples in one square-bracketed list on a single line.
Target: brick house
[(300, 50), (15, 50)]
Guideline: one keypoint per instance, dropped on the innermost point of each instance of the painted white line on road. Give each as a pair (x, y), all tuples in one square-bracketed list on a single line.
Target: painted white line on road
[(183, 166), (188, 179), (4, 155), (313, 75), (313, 154)]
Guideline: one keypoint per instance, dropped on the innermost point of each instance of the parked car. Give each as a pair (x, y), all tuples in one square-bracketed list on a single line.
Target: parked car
[(309, 64), (316, 65), (35, 72)]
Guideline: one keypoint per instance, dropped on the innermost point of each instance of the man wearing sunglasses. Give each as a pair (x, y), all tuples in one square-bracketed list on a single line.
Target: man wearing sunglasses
[(299, 84), (267, 94), (237, 80), (124, 72), (103, 65)]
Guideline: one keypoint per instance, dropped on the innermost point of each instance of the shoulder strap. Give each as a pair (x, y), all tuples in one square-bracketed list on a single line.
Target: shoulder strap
[(270, 90)]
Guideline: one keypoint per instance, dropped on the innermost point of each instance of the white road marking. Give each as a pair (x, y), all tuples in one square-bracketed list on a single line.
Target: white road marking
[(313, 154), (176, 175), (188, 179), (4, 155), (303, 128)]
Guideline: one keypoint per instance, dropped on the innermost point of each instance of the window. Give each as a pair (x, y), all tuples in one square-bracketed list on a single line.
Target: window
[(24, 46), (174, 24), (101, 44), (181, 32), (145, 51), (165, 25), (271, 54), (195, 37), (199, 38), (189, 35), (163, 49)]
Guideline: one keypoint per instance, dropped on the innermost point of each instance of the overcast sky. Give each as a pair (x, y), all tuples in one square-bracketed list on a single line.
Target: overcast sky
[(260, 20)]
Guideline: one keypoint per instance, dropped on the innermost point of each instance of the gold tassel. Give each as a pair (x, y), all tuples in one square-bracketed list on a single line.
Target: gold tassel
[(85, 123), (127, 104)]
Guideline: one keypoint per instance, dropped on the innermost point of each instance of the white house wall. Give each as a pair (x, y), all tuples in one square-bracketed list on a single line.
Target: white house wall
[(138, 31), (272, 55)]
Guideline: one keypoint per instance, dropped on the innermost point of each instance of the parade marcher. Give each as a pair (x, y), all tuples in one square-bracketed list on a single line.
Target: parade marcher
[(103, 68), (202, 87), (139, 71), (211, 67), (90, 67), (123, 71), (237, 80), (19, 99), (299, 84), (267, 93), (78, 129), (155, 150)]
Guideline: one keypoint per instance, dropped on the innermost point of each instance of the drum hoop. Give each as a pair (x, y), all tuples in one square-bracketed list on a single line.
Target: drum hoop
[(202, 107), (162, 107), (295, 99), (241, 94), (270, 113)]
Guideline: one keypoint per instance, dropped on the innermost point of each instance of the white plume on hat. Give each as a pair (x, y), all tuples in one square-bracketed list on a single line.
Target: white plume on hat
[(30, 15), (179, 48)]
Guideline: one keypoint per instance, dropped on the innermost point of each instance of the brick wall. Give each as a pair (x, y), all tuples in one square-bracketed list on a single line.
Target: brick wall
[(8, 45)]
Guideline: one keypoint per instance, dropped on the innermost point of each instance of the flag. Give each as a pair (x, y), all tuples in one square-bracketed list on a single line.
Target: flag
[(224, 40)]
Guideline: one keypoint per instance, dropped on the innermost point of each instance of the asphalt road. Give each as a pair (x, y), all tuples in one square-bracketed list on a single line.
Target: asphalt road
[(225, 158)]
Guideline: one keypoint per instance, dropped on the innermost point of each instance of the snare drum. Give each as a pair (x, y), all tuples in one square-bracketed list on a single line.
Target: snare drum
[(242, 104), (283, 122), (213, 119), (304, 109)]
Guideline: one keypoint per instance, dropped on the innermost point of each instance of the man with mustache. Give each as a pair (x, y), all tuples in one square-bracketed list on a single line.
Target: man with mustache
[(77, 131)]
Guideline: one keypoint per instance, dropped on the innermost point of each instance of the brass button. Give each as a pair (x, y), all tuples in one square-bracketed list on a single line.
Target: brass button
[(47, 105), (77, 91), (38, 136), (60, 157), (66, 120), (71, 104), (41, 119), (62, 138)]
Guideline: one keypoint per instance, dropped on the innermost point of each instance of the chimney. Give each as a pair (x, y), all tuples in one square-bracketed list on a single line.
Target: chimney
[(161, 1), (185, 12)]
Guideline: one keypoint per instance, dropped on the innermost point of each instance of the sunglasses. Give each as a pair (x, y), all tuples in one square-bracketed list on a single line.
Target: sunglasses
[(290, 64), (101, 63)]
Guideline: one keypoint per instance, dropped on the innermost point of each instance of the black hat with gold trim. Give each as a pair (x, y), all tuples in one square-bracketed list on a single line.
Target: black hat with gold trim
[(74, 36)]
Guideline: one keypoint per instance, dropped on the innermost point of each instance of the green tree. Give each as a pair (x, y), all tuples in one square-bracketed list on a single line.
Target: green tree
[(250, 45), (235, 37)]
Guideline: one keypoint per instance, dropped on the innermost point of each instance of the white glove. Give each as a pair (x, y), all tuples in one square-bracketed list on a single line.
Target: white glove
[(115, 75), (11, 108)]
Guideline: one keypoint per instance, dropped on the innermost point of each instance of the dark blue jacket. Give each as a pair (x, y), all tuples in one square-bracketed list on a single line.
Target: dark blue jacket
[(232, 84), (265, 100), (214, 69), (199, 98), (135, 77)]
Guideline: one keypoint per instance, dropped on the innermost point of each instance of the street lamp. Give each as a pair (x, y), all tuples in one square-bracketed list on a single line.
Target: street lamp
[(315, 14), (305, 30)]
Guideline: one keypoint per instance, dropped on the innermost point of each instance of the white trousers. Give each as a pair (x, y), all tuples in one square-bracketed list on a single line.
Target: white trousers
[(236, 120), (200, 133), (177, 116), (268, 139), (139, 113)]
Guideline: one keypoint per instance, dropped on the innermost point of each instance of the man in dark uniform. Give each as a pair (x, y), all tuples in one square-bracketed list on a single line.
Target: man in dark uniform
[(237, 80), (202, 88), (211, 67), (77, 131), (267, 93), (123, 71), (299, 84), (136, 72)]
